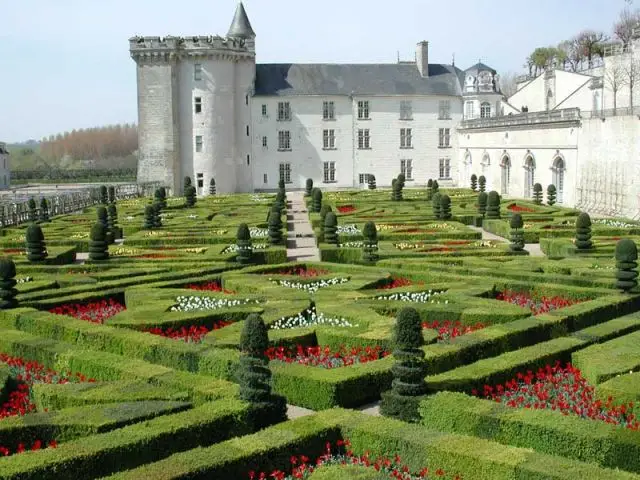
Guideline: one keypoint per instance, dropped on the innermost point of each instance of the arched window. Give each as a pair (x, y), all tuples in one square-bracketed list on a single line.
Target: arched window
[(557, 170), (596, 101), (466, 170), (529, 176), (485, 110), (505, 170), (484, 165)]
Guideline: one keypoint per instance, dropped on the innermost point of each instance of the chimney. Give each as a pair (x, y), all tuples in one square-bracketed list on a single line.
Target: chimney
[(422, 58)]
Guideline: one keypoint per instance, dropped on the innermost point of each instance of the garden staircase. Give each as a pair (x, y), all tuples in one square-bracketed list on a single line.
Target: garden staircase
[(301, 242)]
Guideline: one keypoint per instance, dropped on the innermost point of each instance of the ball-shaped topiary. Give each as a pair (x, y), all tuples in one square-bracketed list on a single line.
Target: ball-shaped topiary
[(8, 282), (31, 205), (482, 203), (308, 187), (583, 232), (317, 200), (331, 228), (98, 244), (445, 207), (370, 243), (190, 196), (551, 195), (275, 226), (482, 183), (493, 205), (112, 194), (517, 235), (254, 376), (44, 210), (537, 194), (104, 195), (436, 204), (212, 186), (243, 241), (474, 182), (371, 181), (36, 247), (149, 217), (626, 265)]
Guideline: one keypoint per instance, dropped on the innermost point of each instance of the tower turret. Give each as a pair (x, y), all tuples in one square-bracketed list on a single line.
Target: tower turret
[(240, 25)]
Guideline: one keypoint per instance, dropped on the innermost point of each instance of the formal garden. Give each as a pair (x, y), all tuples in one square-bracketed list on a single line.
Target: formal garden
[(169, 337)]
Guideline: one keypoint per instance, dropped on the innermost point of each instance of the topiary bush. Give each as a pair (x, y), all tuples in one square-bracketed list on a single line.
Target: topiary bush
[(243, 241), (308, 187), (429, 189), (537, 194), (435, 187), (8, 282), (98, 244), (112, 194), (626, 265), (482, 183), (281, 184), (331, 228), (149, 216), (103, 218), (372, 181), (445, 207), (163, 197), (396, 188), (317, 200), (436, 204), (212, 186), (370, 243), (190, 196), (517, 235), (474, 182), (186, 183), (583, 232), (31, 206), (281, 200), (254, 376), (112, 221), (157, 195), (551, 195), (157, 210), (323, 214), (493, 205), (44, 210), (393, 189), (36, 247), (104, 195), (409, 370), (402, 179), (482, 203), (275, 226)]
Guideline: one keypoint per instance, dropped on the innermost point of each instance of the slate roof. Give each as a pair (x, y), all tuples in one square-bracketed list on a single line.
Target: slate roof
[(360, 79), (240, 25), (479, 67)]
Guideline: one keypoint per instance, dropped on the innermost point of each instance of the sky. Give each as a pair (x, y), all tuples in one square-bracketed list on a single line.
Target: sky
[(66, 65)]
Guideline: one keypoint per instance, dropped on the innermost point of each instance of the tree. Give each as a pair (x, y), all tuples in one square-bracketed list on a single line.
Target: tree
[(482, 203), (551, 195), (98, 244), (8, 282), (317, 200), (626, 265), (308, 187), (570, 55), (243, 241), (493, 205), (372, 181), (508, 84), (445, 207), (370, 243), (583, 232), (537, 194), (212, 186), (631, 69), (517, 236), (190, 196), (614, 78), (590, 42), (44, 210), (482, 183), (626, 26), (331, 229), (36, 247)]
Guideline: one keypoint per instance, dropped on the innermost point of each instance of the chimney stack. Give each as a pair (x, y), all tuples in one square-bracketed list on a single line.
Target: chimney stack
[(422, 58)]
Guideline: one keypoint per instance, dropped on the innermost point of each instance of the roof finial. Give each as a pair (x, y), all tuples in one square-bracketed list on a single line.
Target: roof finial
[(453, 59), (240, 25)]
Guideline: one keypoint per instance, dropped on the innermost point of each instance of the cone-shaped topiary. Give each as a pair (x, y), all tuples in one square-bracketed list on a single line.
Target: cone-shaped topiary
[(537, 194), (482, 203), (435, 188), (149, 214), (36, 248), (112, 194), (331, 228), (212, 186), (626, 265), (190, 196), (493, 205), (409, 369), (113, 221), (370, 243), (104, 195), (436, 204), (308, 187), (551, 195), (402, 179), (317, 200), (31, 205), (474, 182), (157, 210), (103, 218), (393, 189), (8, 282), (429, 190), (186, 183), (517, 235), (323, 214), (243, 241), (372, 181), (98, 244), (281, 200), (482, 183), (44, 210), (583, 232), (445, 207), (254, 376), (275, 226)]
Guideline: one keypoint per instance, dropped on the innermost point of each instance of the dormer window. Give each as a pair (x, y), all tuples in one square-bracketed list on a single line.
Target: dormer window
[(485, 110)]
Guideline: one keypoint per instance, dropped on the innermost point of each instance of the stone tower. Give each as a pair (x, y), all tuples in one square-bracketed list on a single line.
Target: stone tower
[(194, 104)]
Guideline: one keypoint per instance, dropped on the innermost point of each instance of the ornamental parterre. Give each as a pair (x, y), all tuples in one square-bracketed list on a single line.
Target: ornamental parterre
[(414, 297), (233, 248), (310, 287), (197, 304), (537, 304), (310, 318), (325, 356), (95, 312)]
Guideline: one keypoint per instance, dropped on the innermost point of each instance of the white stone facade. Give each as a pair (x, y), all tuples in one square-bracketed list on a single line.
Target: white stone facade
[(5, 167)]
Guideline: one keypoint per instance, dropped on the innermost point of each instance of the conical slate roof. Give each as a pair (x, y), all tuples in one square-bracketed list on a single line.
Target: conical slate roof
[(241, 26)]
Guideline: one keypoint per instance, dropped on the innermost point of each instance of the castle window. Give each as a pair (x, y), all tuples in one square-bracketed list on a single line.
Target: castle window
[(200, 178), (363, 178), (405, 138), (445, 138), (328, 111), (247, 130), (264, 142), (246, 99), (444, 110), (445, 169), (468, 110), (264, 110), (329, 172), (264, 178), (406, 168), (197, 105), (197, 72), (363, 110), (406, 110), (284, 140), (328, 139), (198, 143), (248, 159), (485, 110), (284, 111), (285, 172), (364, 140)]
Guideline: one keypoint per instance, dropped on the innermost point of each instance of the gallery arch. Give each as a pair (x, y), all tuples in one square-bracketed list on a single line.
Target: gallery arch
[(557, 177), (505, 174), (467, 164), (529, 175)]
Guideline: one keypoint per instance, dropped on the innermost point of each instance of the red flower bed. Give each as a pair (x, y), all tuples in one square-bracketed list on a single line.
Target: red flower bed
[(448, 329), (457, 242), (396, 283), (324, 357), (37, 445), (302, 467), (563, 390), (13, 251), (514, 207), (537, 305), (214, 286), (437, 249), (153, 256), (192, 334), (302, 271), (346, 209), (95, 312)]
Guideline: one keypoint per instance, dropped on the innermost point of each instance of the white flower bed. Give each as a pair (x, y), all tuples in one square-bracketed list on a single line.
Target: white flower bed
[(192, 216), (191, 304), (24, 280), (259, 198), (300, 321), (80, 235), (414, 297), (485, 244), (352, 244), (258, 232), (613, 223), (234, 248), (348, 229), (129, 218), (310, 287)]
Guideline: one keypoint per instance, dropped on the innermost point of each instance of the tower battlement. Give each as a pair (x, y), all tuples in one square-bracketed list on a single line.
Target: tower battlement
[(169, 47)]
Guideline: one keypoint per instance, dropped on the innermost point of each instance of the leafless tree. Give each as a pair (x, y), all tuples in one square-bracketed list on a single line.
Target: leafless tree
[(626, 26), (631, 68), (508, 83), (589, 42), (570, 55), (615, 78)]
